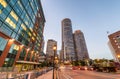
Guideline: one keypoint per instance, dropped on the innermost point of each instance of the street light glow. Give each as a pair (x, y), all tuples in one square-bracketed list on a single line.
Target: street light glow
[(54, 47), (12, 40), (118, 56)]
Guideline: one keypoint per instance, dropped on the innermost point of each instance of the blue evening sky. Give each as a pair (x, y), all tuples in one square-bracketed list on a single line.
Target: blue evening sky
[(93, 17)]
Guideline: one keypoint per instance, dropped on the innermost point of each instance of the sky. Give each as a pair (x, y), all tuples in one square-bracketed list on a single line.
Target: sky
[(93, 17)]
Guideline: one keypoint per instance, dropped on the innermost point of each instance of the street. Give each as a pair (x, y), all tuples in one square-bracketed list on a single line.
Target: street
[(84, 74)]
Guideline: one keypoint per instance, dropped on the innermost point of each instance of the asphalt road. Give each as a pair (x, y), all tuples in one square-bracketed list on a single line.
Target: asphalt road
[(67, 73)]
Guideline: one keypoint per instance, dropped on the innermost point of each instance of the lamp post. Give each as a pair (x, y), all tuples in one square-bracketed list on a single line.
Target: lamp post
[(54, 49), (118, 56), (6, 69)]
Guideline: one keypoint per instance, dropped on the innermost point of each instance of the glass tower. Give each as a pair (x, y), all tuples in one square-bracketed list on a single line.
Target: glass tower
[(21, 32), (80, 45), (67, 40)]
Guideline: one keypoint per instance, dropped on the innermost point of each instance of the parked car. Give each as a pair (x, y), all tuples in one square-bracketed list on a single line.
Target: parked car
[(90, 68), (75, 67), (83, 68)]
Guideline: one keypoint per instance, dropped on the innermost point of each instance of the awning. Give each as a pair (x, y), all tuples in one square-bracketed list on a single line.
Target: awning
[(27, 62)]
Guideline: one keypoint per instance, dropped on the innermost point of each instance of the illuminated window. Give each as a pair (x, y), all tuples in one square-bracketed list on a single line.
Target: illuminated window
[(31, 29), (38, 44), (23, 26), (33, 38), (26, 22), (118, 46), (29, 34), (10, 22), (3, 3), (34, 34), (14, 15), (16, 47), (0, 11)]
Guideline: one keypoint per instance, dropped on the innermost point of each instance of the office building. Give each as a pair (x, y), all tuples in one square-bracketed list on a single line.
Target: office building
[(61, 56), (21, 32), (49, 50), (80, 45), (67, 40), (114, 44)]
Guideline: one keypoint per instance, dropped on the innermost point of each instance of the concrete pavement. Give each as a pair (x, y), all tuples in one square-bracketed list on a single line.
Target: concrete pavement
[(66, 73), (47, 75)]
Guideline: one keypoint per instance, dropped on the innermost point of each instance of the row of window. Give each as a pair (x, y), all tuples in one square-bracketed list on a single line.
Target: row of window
[(17, 20), (12, 53)]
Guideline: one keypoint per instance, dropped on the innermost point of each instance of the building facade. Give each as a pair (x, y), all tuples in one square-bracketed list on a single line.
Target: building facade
[(61, 56), (67, 40), (21, 31), (114, 44), (80, 45), (49, 50)]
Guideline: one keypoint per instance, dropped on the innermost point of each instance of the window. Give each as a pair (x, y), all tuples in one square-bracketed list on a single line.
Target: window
[(14, 48), (3, 43), (18, 25), (12, 2), (0, 11), (13, 35), (10, 22), (28, 56), (23, 26), (0, 23), (3, 3), (12, 13), (4, 28), (25, 2), (22, 55), (3, 14)]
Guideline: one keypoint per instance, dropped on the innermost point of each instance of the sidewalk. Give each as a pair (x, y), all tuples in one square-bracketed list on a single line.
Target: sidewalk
[(118, 72), (47, 75)]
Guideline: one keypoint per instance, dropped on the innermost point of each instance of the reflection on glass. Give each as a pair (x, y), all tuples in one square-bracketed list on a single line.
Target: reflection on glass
[(3, 43)]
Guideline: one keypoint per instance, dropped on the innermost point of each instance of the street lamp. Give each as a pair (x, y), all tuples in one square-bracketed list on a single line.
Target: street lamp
[(6, 64), (118, 56), (54, 49)]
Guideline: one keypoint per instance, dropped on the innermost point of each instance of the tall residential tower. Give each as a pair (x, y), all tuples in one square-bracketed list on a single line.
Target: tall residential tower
[(114, 44), (80, 45), (67, 40), (49, 50)]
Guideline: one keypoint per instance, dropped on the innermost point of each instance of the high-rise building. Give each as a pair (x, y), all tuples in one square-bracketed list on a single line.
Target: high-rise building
[(67, 40), (49, 50), (114, 44), (80, 45), (21, 30), (61, 56)]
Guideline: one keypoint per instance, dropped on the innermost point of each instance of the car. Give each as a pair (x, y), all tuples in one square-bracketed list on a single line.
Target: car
[(90, 68), (75, 67), (83, 68)]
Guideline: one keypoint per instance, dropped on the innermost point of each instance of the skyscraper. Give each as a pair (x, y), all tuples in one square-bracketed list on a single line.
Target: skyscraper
[(61, 56), (67, 40), (114, 44), (21, 32), (49, 50), (80, 45)]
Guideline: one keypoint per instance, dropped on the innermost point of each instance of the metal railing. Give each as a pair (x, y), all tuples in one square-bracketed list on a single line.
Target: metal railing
[(6, 69)]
